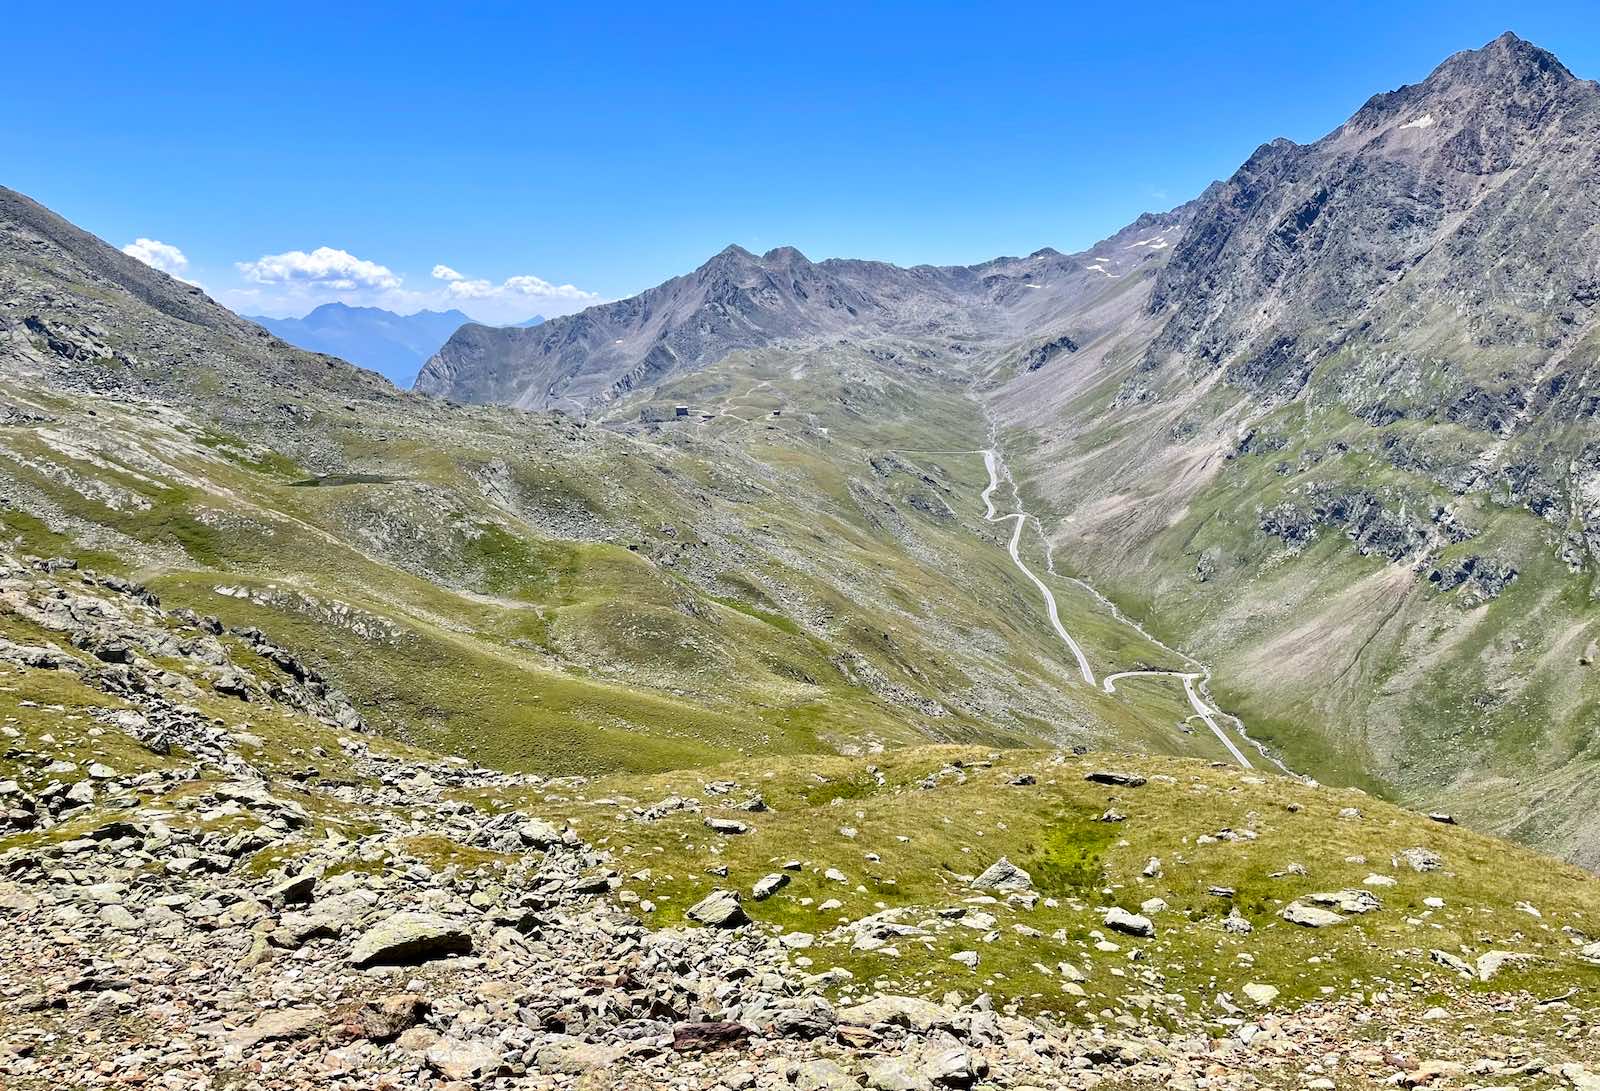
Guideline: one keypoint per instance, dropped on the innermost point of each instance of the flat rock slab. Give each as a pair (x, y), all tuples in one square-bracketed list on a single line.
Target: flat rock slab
[(1129, 924), (1421, 859), (1310, 916), (1346, 901), (406, 939), (282, 1025), (701, 1037), (1259, 994), (567, 1055), (896, 1074), (460, 1059), (769, 885), (823, 1075), (906, 1011), (719, 909), (1491, 963), (538, 833), (1114, 778)]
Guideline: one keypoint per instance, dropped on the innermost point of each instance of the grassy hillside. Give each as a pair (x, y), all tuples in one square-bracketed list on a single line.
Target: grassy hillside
[(785, 571)]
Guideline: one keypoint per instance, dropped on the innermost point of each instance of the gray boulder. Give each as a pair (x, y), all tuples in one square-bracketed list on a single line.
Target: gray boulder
[(769, 885), (1129, 924), (539, 834), (1346, 901), (719, 909), (409, 938), (896, 1074), (919, 1015), (1114, 778), (1003, 875), (461, 1059), (1310, 916)]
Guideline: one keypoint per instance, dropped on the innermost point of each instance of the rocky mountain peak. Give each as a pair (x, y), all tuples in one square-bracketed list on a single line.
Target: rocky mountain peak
[(1508, 81), (732, 254), (1506, 60), (785, 255), (1418, 188)]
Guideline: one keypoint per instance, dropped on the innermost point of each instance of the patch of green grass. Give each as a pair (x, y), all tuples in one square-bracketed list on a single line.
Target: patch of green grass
[(776, 620), (33, 536), (1070, 859)]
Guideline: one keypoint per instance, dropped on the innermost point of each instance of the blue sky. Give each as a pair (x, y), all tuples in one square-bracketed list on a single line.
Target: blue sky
[(546, 157)]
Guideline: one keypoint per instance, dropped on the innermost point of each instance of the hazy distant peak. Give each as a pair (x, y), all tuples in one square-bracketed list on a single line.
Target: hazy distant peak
[(390, 343)]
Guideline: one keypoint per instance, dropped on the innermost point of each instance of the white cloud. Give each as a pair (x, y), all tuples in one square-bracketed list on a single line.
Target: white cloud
[(324, 267), (158, 255), (523, 287), (293, 283), (471, 289)]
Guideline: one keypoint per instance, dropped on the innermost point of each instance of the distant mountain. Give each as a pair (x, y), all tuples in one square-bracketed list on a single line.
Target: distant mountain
[(741, 300), (393, 344)]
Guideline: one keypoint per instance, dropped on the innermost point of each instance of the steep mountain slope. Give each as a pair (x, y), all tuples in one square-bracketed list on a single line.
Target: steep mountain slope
[(739, 300), (1344, 447), (86, 316), (1450, 221), (394, 345)]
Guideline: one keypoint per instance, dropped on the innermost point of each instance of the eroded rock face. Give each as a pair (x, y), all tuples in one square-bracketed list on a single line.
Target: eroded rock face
[(739, 300), (1400, 185)]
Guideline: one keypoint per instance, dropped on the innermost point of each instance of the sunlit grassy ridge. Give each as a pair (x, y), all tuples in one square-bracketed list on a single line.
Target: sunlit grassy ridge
[(909, 829)]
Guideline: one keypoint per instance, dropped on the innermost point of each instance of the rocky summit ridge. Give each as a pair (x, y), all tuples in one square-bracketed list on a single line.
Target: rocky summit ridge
[(740, 300)]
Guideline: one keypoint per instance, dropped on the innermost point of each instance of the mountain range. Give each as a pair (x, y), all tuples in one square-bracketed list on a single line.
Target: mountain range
[(394, 345), (1172, 661), (1331, 421), (741, 300)]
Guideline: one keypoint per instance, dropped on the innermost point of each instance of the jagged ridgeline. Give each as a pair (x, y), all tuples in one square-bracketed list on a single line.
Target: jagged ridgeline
[(826, 674)]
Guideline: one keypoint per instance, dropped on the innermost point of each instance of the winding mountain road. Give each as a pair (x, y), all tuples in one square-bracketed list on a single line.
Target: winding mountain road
[(991, 460), (1204, 711), (1207, 714)]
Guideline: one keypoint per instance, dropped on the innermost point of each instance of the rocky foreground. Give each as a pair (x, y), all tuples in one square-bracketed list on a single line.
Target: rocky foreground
[(193, 899), (139, 954)]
